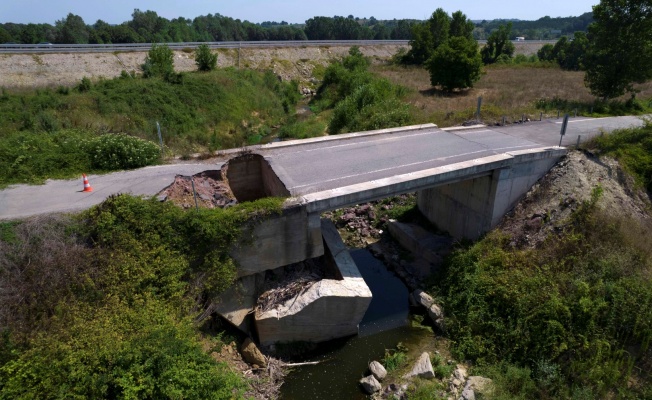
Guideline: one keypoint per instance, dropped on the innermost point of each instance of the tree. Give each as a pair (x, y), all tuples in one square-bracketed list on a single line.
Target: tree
[(461, 26), (319, 28), (620, 51), (574, 52), (455, 64), (5, 36), (440, 26), (427, 37), (205, 59), (545, 53), (159, 62), (72, 30), (498, 44)]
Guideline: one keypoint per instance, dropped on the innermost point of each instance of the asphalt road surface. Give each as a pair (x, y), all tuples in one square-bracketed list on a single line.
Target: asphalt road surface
[(20, 201), (312, 166), (315, 167)]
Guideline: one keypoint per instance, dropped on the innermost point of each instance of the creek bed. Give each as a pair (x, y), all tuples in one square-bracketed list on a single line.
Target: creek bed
[(383, 327)]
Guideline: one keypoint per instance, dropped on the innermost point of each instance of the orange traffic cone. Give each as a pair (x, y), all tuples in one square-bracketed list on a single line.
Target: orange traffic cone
[(87, 186)]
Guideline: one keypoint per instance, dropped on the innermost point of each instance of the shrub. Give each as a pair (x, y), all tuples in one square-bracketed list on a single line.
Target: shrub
[(205, 60), (85, 85), (573, 303), (455, 64), (159, 62), (119, 151)]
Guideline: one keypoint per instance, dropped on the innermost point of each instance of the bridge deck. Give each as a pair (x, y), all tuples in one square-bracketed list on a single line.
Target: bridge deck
[(311, 167)]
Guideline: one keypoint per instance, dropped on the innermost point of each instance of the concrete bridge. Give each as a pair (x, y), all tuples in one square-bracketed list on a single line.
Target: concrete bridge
[(466, 179)]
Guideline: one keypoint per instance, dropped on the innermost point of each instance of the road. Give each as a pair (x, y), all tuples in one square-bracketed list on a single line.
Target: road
[(20, 201), (320, 164), (314, 167), (125, 47)]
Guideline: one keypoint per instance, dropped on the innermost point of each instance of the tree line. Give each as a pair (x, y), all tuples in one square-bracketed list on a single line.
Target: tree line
[(544, 28), (149, 27)]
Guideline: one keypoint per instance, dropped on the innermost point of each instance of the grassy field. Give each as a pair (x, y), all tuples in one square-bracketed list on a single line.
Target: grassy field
[(510, 90)]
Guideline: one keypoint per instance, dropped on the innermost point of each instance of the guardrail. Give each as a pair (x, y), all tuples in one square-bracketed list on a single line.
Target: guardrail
[(126, 47)]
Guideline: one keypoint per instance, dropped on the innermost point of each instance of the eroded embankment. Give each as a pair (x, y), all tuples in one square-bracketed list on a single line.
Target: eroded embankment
[(55, 69)]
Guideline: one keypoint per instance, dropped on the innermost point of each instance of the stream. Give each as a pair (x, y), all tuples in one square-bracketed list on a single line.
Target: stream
[(344, 361)]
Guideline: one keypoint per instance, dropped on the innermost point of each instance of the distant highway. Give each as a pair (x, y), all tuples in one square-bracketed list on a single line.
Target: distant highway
[(125, 47)]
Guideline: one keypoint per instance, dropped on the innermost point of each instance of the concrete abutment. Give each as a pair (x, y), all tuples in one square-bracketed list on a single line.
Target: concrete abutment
[(469, 208)]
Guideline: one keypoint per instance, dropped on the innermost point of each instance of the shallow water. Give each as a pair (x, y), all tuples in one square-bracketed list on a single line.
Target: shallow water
[(383, 326)]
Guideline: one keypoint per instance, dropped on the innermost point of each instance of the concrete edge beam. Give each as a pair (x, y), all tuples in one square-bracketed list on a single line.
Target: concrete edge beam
[(537, 154), (463, 128), (345, 136), (386, 187)]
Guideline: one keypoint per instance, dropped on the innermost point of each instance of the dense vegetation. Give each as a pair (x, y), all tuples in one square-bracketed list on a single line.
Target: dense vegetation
[(360, 100), (103, 304), (149, 27), (633, 148), (570, 318), (50, 133)]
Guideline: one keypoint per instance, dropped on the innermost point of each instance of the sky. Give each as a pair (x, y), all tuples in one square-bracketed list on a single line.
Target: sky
[(292, 11)]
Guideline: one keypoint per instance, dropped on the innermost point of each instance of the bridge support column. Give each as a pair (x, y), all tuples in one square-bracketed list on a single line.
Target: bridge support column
[(470, 208)]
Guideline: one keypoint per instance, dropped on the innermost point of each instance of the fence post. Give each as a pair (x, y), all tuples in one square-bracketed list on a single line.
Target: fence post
[(504, 118), (564, 125), (541, 116), (479, 107), (578, 141), (194, 192), (160, 138)]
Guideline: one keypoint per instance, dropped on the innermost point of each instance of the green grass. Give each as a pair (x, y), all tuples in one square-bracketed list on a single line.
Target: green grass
[(395, 358), (219, 109)]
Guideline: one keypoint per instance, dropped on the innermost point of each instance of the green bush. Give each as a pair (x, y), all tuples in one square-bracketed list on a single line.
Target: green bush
[(114, 295), (576, 303), (360, 100), (159, 62), (633, 148), (85, 85), (33, 157), (204, 58), (372, 106), (119, 151)]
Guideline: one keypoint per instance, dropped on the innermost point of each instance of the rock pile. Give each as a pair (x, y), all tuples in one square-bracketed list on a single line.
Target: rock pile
[(211, 190)]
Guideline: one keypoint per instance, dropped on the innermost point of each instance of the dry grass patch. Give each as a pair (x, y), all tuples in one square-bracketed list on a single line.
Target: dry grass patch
[(506, 90)]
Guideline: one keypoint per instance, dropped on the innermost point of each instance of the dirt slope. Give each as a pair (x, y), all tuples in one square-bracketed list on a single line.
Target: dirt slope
[(550, 202), (54, 69)]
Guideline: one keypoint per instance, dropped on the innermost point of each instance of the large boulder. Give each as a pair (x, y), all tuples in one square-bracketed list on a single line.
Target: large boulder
[(422, 368), (422, 298), (477, 384), (251, 354), (377, 370), (370, 384)]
